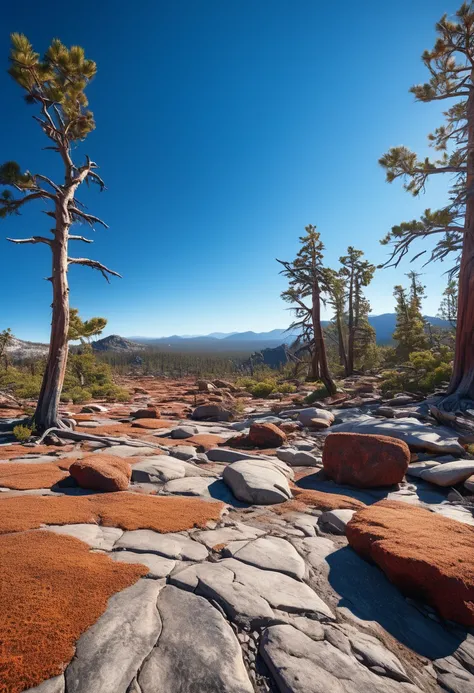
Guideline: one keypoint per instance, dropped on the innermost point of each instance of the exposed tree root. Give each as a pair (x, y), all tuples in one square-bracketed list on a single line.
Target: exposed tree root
[(69, 434), (456, 417)]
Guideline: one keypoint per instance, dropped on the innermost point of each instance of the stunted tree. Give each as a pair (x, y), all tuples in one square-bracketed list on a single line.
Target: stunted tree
[(55, 87), (451, 67), (410, 328), (5, 339), (84, 330), (358, 274), (449, 303), (307, 287)]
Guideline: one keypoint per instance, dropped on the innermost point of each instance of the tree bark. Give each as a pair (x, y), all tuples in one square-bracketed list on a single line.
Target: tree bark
[(319, 344), (314, 370), (350, 325), (462, 381), (46, 414), (341, 345)]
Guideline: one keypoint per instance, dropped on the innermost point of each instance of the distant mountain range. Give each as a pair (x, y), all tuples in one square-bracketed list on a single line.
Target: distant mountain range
[(384, 326)]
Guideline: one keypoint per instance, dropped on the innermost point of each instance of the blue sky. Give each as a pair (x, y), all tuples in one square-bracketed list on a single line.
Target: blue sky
[(223, 128)]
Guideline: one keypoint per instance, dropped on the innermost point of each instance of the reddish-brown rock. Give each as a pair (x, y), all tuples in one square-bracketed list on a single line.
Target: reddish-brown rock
[(426, 555), (289, 426), (266, 435), (148, 413), (102, 473), (365, 460)]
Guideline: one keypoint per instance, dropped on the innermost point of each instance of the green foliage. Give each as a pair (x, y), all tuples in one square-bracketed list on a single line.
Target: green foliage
[(22, 433), (424, 372), (84, 329), (317, 394), (286, 388), (448, 308), (262, 389), (78, 395), (410, 329)]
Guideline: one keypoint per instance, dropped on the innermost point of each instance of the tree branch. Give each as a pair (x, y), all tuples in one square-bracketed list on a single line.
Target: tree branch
[(80, 238), (93, 264), (90, 218), (33, 239)]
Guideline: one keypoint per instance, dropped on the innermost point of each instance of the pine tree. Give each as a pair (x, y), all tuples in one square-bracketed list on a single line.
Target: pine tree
[(451, 66), (56, 86), (337, 300), (308, 280), (410, 328), (84, 330), (358, 274), (5, 339), (448, 305)]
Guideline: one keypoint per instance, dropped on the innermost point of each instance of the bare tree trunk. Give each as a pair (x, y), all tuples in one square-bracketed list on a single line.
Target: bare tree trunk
[(314, 368), (341, 345), (350, 324), (461, 386), (46, 414), (319, 344)]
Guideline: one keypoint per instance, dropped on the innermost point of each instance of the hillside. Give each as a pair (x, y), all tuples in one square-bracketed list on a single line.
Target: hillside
[(116, 343)]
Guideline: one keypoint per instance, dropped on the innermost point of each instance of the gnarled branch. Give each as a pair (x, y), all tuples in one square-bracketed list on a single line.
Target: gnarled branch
[(93, 264), (80, 238), (90, 218), (33, 239)]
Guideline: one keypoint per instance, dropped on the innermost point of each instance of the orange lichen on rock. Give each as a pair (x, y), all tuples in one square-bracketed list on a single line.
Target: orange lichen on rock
[(101, 472), (204, 440), (326, 501), (125, 510), (25, 476), (428, 556), (8, 452), (153, 424), (54, 588)]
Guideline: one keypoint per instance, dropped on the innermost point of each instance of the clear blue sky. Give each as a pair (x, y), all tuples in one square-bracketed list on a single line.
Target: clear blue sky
[(223, 128)]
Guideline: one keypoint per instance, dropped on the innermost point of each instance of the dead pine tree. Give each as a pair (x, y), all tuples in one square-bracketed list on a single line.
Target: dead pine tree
[(55, 86), (308, 280), (451, 67)]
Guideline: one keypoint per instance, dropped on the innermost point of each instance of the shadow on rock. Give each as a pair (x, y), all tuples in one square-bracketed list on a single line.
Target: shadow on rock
[(367, 594)]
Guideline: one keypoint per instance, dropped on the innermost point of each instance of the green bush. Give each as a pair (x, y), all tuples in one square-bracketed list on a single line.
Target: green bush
[(262, 389), (286, 388), (79, 395), (424, 371), (318, 394), (22, 433)]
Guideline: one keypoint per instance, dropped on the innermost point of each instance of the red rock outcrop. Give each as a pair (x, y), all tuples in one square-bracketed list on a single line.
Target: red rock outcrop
[(365, 460), (426, 555), (102, 473), (266, 435)]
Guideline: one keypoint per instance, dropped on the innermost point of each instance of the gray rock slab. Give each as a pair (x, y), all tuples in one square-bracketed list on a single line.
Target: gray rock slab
[(335, 521), (248, 594), (298, 458), (101, 538), (55, 685), (128, 451), (197, 650), (184, 432), (449, 473), (182, 452), (416, 434), (373, 654), (416, 469), (177, 546), (271, 553), (164, 468), (159, 566), (469, 484), (454, 512), (109, 653), (315, 551), (229, 456), (300, 664), (225, 535), (257, 481), (207, 487)]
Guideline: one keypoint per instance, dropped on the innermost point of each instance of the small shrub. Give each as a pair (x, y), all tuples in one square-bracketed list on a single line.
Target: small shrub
[(78, 395), (286, 388), (22, 433), (262, 389), (318, 394)]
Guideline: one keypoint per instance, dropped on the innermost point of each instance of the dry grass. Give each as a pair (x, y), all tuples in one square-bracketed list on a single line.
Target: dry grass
[(125, 510), (53, 589)]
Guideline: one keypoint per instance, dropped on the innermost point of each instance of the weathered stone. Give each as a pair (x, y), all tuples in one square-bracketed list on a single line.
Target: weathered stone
[(270, 553), (129, 451), (99, 538), (224, 535), (449, 473), (247, 594), (109, 654), (55, 685), (197, 650), (206, 487), (148, 413), (309, 416), (416, 469), (228, 456), (176, 546), (183, 452), (159, 566), (164, 468), (298, 458), (211, 412), (469, 484), (365, 460), (184, 432), (257, 481), (335, 521)]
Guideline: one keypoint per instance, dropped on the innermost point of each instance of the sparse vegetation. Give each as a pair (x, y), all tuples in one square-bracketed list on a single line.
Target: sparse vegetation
[(22, 433)]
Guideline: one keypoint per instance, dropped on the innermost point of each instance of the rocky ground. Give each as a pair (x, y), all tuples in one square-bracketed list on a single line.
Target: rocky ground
[(224, 544)]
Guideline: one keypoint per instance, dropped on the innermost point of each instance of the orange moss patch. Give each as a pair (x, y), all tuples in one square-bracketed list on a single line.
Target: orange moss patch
[(326, 501), (24, 476), (204, 440), (8, 452), (102, 473), (56, 589), (125, 510), (291, 506), (153, 423)]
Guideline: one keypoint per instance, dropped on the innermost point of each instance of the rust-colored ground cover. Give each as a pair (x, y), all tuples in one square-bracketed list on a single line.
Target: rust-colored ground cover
[(8, 452), (102, 472), (428, 556), (53, 588), (25, 476), (326, 501), (125, 510), (153, 424), (204, 440)]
